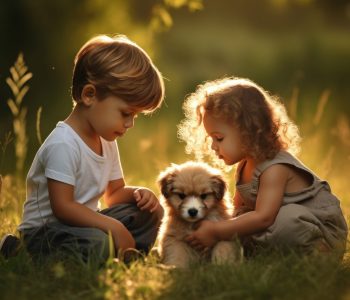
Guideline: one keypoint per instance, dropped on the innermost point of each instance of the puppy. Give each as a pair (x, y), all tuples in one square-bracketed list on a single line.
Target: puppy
[(192, 192)]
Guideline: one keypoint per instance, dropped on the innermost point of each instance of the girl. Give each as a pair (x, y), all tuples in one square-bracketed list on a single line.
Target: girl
[(279, 202)]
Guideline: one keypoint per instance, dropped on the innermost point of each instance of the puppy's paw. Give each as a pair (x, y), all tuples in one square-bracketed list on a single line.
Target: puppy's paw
[(227, 252)]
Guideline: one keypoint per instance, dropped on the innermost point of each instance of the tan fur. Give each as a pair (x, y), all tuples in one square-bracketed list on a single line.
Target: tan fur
[(186, 187)]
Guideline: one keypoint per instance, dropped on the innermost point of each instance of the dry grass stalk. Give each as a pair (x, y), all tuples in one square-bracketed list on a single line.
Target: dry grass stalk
[(38, 118), (17, 83), (342, 130), (321, 106), (293, 103), (3, 146)]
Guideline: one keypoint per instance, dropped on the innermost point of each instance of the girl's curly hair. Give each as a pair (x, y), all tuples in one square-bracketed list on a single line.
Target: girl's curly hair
[(261, 118)]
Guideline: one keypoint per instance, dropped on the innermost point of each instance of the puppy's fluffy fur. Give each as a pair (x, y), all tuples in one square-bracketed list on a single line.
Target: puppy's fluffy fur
[(192, 192)]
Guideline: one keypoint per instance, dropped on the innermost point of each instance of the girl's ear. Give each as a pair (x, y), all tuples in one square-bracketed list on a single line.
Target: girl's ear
[(88, 94)]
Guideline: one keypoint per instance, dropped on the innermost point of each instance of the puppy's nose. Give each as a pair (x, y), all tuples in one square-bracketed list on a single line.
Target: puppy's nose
[(192, 212)]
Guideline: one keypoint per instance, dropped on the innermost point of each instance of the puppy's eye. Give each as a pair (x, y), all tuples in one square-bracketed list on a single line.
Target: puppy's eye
[(203, 196), (181, 195)]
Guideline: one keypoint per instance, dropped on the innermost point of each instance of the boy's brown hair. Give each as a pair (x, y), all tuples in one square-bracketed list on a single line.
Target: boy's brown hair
[(119, 67)]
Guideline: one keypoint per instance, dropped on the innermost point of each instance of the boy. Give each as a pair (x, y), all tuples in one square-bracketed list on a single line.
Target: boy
[(113, 80)]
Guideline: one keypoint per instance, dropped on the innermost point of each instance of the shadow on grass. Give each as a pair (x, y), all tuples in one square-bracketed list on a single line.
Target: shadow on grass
[(266, 276), (55, 277)]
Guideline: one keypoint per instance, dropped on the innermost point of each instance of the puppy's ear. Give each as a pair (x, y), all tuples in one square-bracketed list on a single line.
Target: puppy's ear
[(219, 186), (165, 182)]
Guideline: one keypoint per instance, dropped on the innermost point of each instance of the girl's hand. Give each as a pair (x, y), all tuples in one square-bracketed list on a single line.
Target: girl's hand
[(146, 200), (205, 236)]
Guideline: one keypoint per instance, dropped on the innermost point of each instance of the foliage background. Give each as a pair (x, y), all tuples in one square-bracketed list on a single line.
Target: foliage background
[(297, 49)]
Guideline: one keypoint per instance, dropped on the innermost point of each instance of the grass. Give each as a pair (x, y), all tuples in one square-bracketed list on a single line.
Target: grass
[(267, 276)]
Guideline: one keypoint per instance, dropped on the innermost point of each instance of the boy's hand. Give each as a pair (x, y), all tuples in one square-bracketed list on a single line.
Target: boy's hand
[(146, 200), (204, 237), (122, 237)]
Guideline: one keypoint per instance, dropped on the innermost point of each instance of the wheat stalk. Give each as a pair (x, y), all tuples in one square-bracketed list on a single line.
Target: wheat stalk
[(321, 107), (17, 83), (7, 141), (293, 103), (38, 119)]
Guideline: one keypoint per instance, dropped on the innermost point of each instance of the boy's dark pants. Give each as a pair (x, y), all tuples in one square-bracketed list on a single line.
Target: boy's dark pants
[(92, 243)]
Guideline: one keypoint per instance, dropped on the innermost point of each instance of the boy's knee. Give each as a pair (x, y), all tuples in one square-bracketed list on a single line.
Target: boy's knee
[(157, 215), (143, 217), (145, 228)]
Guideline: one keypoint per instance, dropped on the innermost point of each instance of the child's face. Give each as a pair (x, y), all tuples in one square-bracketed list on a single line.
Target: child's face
[(111, 117), (226, 139)]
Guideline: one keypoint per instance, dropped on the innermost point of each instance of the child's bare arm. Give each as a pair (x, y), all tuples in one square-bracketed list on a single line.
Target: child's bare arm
[(73, 213), (269, 200), (117, 193), (238, 205)]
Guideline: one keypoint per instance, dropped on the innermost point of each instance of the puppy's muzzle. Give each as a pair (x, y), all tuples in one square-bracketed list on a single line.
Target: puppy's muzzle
[(193, 209)]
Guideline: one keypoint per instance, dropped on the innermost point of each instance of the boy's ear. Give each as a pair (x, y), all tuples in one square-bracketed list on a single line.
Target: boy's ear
[(88, 94)]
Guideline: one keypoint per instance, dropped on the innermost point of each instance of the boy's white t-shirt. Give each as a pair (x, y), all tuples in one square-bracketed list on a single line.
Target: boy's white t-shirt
[(65, 157)]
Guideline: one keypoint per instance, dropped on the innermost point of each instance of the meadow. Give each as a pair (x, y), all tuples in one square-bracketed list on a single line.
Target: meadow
[(269, 275), (296, 49)]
